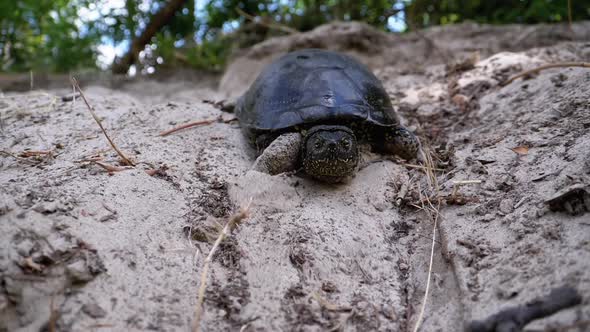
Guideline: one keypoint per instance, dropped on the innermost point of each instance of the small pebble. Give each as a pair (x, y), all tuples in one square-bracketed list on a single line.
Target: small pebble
[(93, 310), (506, 206), (79, 272)]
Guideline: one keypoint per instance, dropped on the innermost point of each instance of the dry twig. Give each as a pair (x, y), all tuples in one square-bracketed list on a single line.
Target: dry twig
[(434, 210), (126, 160), (433, 183), (25, 160), (422, 167), (111, 168), (93, 327), (517, 317), (187, 125), (233, 221), (90, 159), (402, 192), (26, 154), (270, 25), (538, 69)]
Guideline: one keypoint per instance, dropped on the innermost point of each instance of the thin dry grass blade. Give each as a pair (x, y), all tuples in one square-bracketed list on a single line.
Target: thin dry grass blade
[(430, 210), (543, 67), (233, 221), (126, 160)]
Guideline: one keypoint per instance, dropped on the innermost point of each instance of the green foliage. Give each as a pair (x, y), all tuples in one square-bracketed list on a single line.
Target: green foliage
[(424, 13), (45, 34), (210, 54), (301, 15), (63, 35)]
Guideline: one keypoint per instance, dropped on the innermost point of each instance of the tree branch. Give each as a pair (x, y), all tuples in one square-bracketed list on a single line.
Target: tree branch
[(162, 18)]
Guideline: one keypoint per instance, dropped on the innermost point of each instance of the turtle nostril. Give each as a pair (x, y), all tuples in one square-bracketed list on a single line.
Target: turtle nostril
[(332, 145)]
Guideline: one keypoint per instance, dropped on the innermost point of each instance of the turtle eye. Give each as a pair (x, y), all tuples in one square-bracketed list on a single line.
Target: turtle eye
[(318, 144), (345, 143)]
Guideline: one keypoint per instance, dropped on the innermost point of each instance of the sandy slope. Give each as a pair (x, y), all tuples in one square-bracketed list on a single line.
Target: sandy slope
[(110, 251)]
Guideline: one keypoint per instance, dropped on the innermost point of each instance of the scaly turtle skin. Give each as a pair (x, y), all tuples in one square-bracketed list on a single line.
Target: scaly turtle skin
[(324, 103)]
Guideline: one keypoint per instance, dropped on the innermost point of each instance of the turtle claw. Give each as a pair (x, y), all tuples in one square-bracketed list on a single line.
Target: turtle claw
[(228, 106), (401, 142)]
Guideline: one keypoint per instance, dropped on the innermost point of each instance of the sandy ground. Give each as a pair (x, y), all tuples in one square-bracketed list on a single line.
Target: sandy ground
[(84, 249)]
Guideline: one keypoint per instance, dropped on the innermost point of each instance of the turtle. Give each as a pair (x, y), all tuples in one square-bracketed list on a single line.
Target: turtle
[(312, 109)]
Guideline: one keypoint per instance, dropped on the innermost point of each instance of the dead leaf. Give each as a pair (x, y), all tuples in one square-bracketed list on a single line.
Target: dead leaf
[(521, 150), (460, 100)]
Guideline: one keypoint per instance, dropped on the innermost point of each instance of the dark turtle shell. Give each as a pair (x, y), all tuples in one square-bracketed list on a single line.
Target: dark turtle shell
[(310, 87)]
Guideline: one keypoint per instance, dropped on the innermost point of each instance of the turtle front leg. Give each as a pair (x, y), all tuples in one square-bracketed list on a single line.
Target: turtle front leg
[(281, 156), (401, 142)]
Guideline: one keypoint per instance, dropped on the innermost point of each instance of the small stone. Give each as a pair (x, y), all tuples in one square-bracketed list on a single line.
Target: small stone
[(403, 266), (480, 210), (490, 186), (558, 79), (110, 216), (380, 206), (45, 207), (506, 206), (329, 287), (79, 272), (389, 312), (488, 217), (93, 310), (363, 306), (508, 219)]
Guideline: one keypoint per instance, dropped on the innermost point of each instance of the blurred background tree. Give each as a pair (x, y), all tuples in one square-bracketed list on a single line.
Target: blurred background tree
[(66, 35)]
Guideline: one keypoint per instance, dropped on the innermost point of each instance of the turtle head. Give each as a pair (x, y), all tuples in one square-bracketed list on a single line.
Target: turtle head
[(330, 153)]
